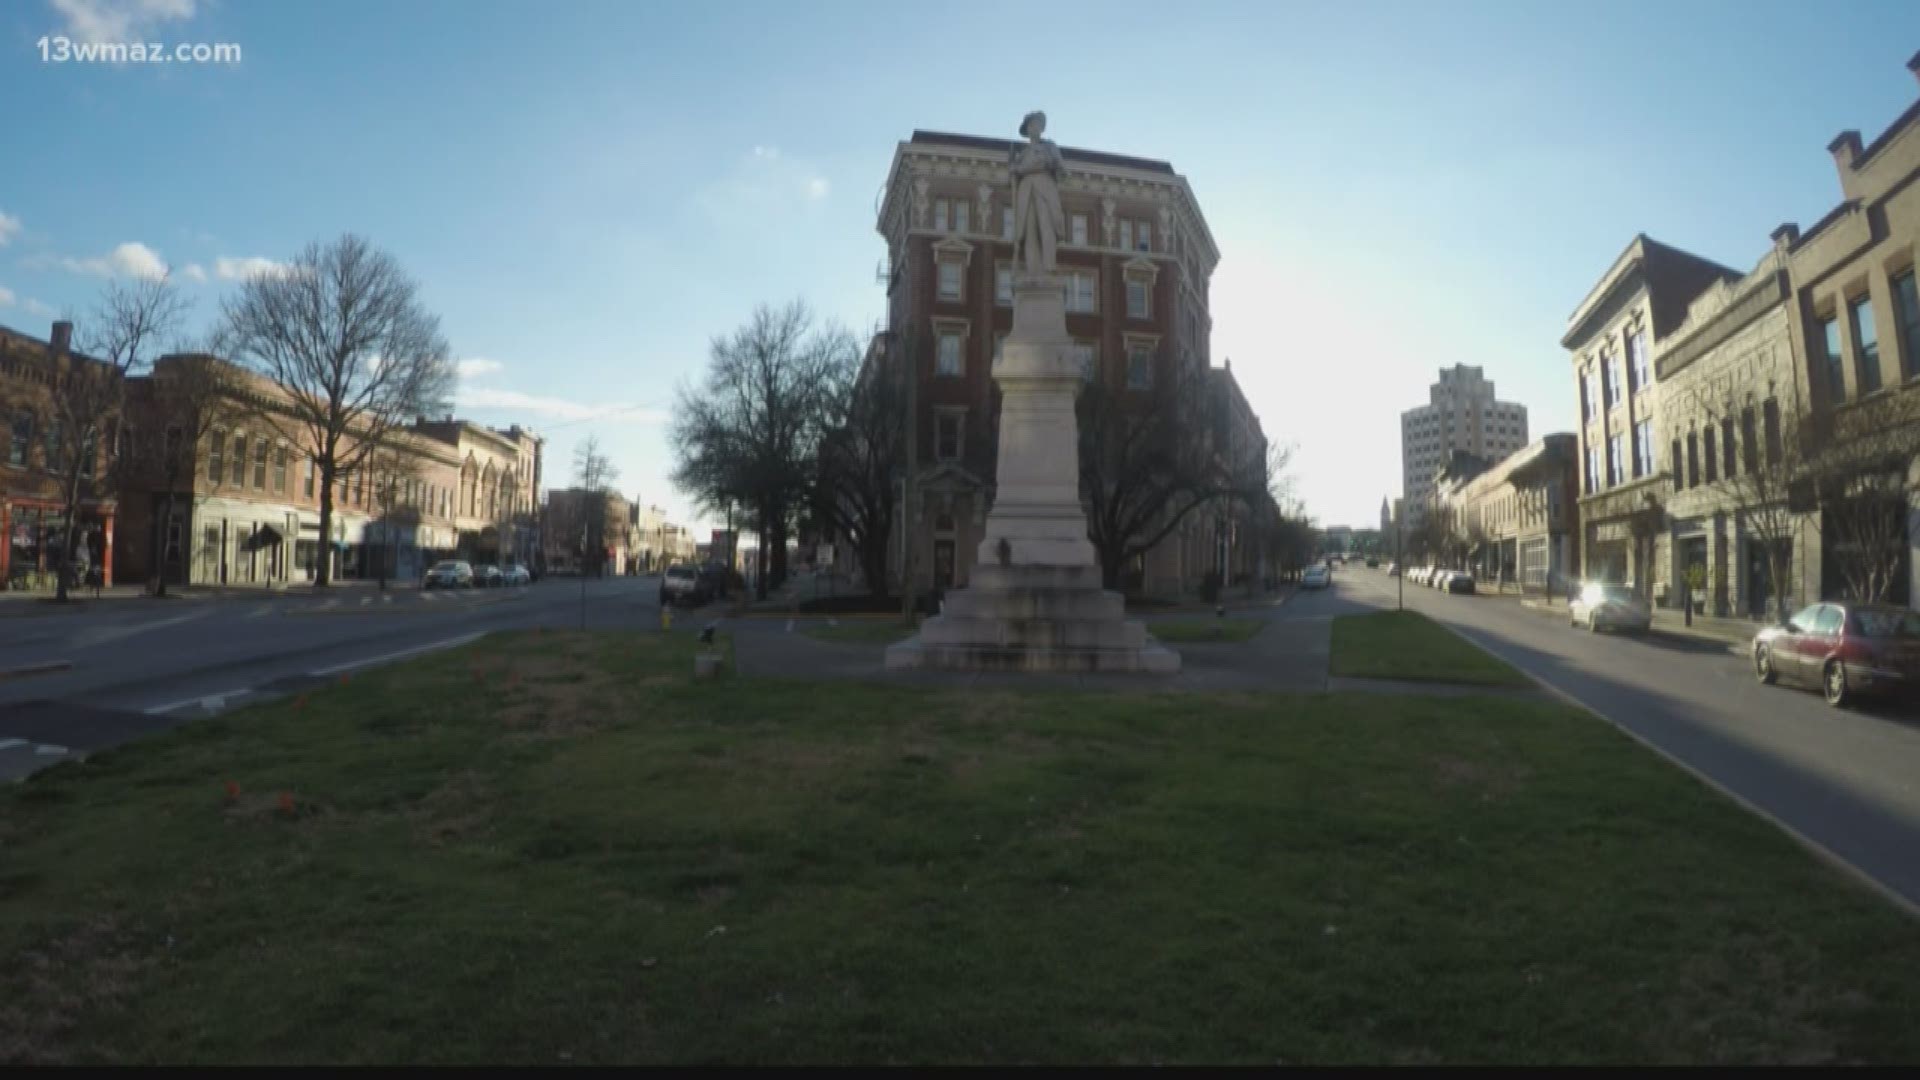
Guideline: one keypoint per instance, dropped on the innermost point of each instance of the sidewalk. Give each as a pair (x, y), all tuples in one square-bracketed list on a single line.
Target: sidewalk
[(36, 602), (1735, 634)]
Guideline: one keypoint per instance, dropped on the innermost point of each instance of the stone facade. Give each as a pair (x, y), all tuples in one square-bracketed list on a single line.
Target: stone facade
[(1139, 259), (1521, 512), (1462, 413)]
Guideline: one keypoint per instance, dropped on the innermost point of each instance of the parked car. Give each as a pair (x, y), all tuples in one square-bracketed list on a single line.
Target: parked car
[(515, 574), (448, 574), (682, 585), (1460, 582), (1373, 563), (1605, 606), (1843, 650), (486, 576), (1315, 577)]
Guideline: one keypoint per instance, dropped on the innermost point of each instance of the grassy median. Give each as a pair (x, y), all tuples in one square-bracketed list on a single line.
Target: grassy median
[(560, 848), (1408, 645)]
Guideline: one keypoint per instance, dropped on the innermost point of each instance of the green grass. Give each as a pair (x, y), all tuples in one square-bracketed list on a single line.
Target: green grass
[(1203, 630), (596, 859), (1408, 645), (860, 631)]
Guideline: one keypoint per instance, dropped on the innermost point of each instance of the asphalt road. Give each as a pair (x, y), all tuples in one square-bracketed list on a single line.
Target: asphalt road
[(141, 666), (1846, 780)]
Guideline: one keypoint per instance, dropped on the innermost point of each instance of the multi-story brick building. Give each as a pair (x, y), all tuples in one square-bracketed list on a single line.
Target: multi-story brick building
[(32, 502), (248, 513), (1462, 413), (1611, 339), (1520, 513), (1238, 437), (1138, 259), (588, 532)]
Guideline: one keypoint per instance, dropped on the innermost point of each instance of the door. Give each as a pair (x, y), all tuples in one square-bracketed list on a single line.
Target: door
[(1821, 643), (942, 565), (1790, 650)]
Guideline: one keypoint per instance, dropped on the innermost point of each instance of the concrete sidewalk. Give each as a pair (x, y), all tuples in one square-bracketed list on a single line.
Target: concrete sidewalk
[(36, 602)]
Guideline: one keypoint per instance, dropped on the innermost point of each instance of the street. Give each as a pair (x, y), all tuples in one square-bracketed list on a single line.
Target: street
[(137, 667), (1847, 780)]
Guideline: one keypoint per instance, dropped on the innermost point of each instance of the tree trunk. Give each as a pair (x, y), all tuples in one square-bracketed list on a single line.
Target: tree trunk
[(157, 557), (873, 560), (323, 572), (778, 555), (65, 568)]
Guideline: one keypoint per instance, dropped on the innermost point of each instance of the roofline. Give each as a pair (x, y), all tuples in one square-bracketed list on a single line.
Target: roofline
[(1634, 256)]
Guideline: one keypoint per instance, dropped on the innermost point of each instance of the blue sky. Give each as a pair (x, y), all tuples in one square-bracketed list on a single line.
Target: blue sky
[(588, 192)]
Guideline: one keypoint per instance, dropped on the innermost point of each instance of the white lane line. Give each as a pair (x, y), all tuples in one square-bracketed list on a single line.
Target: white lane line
[(101, 637), (211, 701), (329, 605), (8, 744), (789, 626), (47, 750), (365, 600), (261, 611), (428, 597), (388, 599), (350, 665)]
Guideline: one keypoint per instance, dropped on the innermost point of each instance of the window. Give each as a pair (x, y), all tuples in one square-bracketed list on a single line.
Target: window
[(172, 451), (1675, 456), (360, 488), (1003, 285), (1830, 334), (1643, 448), (1083, 287), (1126, 236), (306, 487), (1139, 298), (1772, 413), (940, 215), (238, 477), (1593, 470), (280, 469), (1907, 299), (1139, 366), (216, 463), (1693, 460), (260, 464), (1616, 459), (1749, 445), (22, 444), (949, 280), (960, 217), (1084, 354), (1866, 344), (1589, 395), (1727, 460), (89, 453), (1143, 237), (947, 424), (1708, 457), (1637, 359), (1006, 222), (947, 356), (1079, 229)]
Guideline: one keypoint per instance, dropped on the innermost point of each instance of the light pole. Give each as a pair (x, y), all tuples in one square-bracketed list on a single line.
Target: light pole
[(1400, 562)]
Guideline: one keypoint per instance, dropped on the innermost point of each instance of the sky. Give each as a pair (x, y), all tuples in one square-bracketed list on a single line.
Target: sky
[(589, 192)]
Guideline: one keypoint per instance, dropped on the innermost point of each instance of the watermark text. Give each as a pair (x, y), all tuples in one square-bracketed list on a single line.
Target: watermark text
[(60, 49)]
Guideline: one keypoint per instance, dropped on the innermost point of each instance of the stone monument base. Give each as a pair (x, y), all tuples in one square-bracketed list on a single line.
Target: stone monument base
[(1033, 618)]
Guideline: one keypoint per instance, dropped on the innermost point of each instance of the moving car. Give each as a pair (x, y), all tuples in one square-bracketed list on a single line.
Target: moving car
[(1460, 582), (682, 585), (515, 574), (1373, 563), (1603, 606), (486, 576), (448, 574), (1315, 577), (1843, 650)]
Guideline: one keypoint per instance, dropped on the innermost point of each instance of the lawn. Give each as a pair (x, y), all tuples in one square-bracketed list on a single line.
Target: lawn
[(860, 631), (1204, 630), (592, 858), (1408, 645)]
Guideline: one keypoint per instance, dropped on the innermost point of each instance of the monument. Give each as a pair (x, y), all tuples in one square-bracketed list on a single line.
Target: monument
[(1034, 601)]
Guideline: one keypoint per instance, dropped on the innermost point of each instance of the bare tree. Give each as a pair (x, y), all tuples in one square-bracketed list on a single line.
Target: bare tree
[(1857, 469), (1769, 484), (180, 403), (863, 453), (594, 472), (87, 394), (751, 431), (343, 331)]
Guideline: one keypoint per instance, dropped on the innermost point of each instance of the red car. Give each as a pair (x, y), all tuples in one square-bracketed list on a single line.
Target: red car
[(1843, 650)]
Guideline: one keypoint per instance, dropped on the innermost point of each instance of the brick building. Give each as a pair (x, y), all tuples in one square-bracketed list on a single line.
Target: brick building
[(1520, 515), (32, 504), (1138, 259)]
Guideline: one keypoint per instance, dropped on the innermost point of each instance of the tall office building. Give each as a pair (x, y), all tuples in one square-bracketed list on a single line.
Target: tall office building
[(1461, 414)]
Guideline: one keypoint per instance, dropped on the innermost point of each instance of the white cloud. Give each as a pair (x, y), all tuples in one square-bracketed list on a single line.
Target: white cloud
[(766, 153), (118, 20), (35, 307), (9, 227), (475, 366), (193, 272), (6, 296), (131, 259), (764, 182), (817, 188), (227, 268), (484, 397)]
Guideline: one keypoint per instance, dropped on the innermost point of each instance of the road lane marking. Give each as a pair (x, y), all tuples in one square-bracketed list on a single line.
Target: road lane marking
[(388, 599), (210, 701), (262, 610), (330, 604), (49, 750), (365, 600), (102, 637), (352, 664), (8, 744)]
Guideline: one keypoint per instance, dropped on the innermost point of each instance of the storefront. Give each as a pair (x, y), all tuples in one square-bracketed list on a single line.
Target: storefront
[(36, 532)]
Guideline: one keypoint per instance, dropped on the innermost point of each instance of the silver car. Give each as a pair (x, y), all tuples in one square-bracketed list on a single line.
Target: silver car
[(449, 574), (1601, 606)]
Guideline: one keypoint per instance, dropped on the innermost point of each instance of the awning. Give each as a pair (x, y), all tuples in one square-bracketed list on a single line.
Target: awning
[(265, 536)]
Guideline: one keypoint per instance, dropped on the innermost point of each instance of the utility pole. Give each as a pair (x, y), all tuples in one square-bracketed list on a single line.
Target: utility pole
[(1400, 560), (908, 484)]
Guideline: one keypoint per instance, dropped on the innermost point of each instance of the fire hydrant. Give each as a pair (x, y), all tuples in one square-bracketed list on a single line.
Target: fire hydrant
[(666, 616)]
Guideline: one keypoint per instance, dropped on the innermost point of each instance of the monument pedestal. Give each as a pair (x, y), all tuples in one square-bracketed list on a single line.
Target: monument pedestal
[(1034, 601)]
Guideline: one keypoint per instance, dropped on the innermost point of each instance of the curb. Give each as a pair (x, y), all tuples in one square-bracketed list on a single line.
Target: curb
[(27, 671)]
